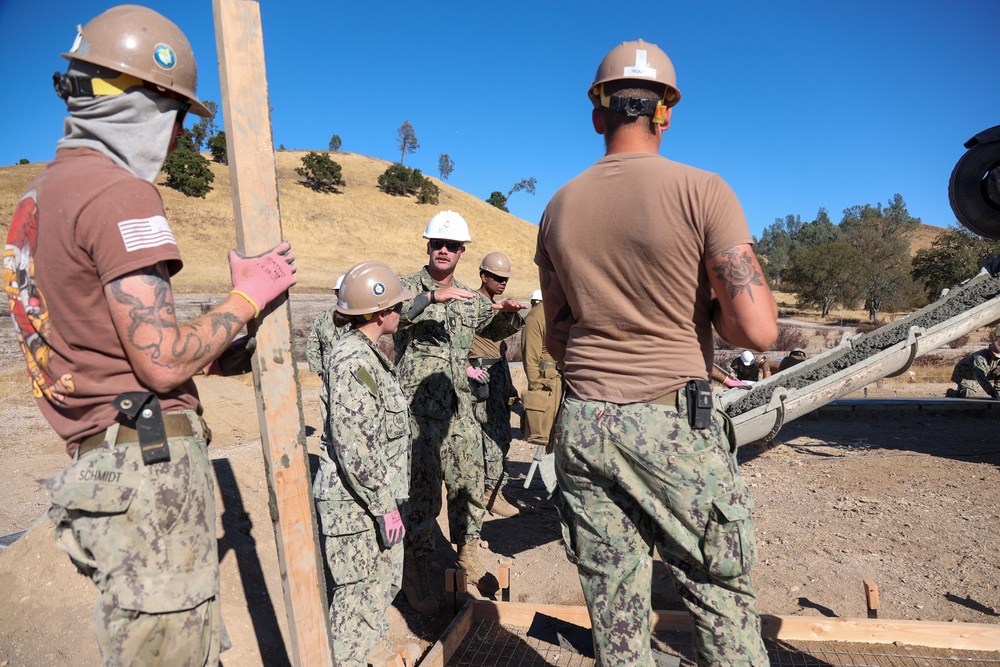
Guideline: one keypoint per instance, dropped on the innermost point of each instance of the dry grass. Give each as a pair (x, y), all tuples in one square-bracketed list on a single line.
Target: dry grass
[(329, 232)]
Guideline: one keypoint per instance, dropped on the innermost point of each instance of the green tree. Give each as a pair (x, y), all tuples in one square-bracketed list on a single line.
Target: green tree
[(445, 166), (954, 256), (23, 160), (428, 192), (407, 140), (818, 232), (824, 275), (335, 143), (498, 200), (401, 181), (204, 128), (217, 146), (526, 184), (320, 173), (187, 170)]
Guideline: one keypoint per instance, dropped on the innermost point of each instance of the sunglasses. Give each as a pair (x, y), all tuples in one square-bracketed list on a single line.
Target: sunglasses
[(398, 308), (452, 246), (493, 276), (182, 113)]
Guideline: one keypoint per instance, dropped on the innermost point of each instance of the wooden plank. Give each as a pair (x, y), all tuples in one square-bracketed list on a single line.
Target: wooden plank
[(451, 638), (250, 146), (932, 634)]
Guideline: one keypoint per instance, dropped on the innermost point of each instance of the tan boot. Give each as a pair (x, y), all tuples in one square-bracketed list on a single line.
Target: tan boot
[(379, 656), (416, 586), (497, 505), (409, 654), (477, 574)]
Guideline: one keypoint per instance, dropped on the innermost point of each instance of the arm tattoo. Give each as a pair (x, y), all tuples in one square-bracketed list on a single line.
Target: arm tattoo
[(150, 323), (738, 272)]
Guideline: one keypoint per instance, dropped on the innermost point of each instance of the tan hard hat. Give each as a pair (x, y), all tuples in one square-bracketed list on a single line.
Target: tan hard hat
[(369, 287), (497, 264), (138, 41), (639, 61)]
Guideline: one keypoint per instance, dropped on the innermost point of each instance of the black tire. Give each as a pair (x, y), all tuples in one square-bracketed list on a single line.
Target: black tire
[(974, 192)]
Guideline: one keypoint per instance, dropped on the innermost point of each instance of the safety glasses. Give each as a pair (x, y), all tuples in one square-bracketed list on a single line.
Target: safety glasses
[(452, 246), (493, 276)]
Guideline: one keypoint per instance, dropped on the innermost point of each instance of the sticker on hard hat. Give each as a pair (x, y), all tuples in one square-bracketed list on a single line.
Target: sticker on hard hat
[(641, 68), (378, 289), (164, 56)]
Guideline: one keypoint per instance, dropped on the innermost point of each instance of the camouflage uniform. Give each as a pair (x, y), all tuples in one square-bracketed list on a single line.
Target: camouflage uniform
[(364, 473), (977, 375), (432, 353), (670, 486), (323, 335), (493, 413), (145, 535)]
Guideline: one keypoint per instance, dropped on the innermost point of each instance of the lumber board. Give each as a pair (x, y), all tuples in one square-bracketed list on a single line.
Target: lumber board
[(250, 146), (444, 648), (931, 634)]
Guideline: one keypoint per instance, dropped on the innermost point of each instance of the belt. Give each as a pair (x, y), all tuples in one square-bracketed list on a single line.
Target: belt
[(174, 423), (670, 399), (485, 362)]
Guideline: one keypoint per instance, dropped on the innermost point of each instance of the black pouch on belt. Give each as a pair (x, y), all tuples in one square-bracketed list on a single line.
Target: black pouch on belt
[(142, 409), (699, 403)]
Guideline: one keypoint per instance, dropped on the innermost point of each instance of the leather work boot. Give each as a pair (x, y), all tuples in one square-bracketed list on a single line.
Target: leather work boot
[(476, 573), (497, 505), (416, 586), (379, 656)]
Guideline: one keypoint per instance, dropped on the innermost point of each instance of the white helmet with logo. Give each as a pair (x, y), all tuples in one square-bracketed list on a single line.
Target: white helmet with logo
[(448, 226)]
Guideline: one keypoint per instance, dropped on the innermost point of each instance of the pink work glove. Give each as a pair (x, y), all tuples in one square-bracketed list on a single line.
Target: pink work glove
[(390, 527), (262, 278), (478, 374), (730, 382)]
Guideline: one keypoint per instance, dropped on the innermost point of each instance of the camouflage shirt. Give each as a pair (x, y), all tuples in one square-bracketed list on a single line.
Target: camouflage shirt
[(367, 457), (432, 349), (981, 367), (323, 336)]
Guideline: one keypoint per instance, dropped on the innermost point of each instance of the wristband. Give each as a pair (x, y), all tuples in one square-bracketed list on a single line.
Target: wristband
[(256, 310), (432, 298)]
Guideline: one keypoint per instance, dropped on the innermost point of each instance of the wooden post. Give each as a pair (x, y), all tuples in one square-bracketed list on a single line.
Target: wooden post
[(250, 146), (871, 597)]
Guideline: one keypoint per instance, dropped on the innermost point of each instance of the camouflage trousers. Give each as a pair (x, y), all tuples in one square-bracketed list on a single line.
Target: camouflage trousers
[(366, 578), (449, 451), (145, 535), (970, 388), (636, 476), (495, 422)]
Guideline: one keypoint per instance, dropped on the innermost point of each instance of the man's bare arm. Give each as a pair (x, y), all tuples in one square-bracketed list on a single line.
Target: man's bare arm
[(558, 316), (163, 353), (745, 313)]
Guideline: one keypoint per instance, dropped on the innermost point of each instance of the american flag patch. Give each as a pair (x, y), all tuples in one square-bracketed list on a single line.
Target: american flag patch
[(146, 233)]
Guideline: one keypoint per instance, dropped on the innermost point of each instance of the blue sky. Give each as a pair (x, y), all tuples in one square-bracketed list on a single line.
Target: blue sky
[(798, 105)]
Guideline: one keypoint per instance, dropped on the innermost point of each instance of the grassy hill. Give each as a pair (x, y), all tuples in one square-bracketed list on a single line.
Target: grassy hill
[(332, 232), (329, 232)]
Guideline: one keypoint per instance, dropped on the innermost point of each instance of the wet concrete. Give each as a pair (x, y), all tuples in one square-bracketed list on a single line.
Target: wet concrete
[(953, 304)]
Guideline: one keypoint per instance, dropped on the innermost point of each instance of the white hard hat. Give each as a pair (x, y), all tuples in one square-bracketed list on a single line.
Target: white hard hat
[(340, 280), (746, 357), (536, 295), (448, 226)]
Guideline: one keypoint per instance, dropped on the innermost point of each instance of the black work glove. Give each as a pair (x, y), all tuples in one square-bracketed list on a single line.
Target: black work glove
[(235, 359)]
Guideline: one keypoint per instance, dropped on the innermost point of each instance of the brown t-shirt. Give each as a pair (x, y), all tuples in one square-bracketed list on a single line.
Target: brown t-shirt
[(627, 240), (83, 222)]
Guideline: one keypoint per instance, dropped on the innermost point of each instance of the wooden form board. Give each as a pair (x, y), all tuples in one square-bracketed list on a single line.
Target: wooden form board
[(250, 146), (932, 634)]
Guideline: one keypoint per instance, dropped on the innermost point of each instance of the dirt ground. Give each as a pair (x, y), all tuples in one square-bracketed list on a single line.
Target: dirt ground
[(908, 498)]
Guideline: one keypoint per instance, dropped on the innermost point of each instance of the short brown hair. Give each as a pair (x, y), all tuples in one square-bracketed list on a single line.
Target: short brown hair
[(614, 120)]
